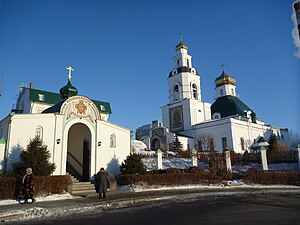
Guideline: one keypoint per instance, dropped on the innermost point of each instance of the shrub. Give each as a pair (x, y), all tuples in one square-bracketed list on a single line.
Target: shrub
[(272, 177), (35, 156), (10, 186), (132, 164)]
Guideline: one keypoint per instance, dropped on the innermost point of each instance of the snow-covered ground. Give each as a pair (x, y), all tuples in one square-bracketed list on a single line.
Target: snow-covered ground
[(185, 163), (49, 198)]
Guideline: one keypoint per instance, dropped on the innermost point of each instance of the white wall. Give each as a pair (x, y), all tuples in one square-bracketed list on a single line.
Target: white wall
[(107, 156), (2, 152), (23, 128)]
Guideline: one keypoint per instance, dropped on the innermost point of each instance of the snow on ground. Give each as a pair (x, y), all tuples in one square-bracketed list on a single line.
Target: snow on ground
[(182, 163), (53, 197), (185, 163)]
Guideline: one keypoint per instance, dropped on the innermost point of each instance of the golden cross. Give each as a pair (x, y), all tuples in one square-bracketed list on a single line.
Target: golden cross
[(70, 72)]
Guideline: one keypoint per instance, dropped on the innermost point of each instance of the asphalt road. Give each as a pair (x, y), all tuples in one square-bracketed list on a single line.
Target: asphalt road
[(246, 209)]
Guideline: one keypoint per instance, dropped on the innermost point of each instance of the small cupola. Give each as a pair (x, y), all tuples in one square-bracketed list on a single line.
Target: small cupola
[(224, 79), (181, 45), (68, 90)]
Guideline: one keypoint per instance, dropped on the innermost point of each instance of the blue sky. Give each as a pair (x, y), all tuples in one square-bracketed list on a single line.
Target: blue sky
[(122, 52)]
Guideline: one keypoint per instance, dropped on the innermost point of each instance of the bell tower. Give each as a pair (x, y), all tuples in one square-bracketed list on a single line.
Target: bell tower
[(183, 80), (185, 107)]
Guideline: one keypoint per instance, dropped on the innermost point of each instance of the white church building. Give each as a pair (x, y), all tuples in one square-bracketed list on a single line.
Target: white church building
[(76, 130), (228, 122)]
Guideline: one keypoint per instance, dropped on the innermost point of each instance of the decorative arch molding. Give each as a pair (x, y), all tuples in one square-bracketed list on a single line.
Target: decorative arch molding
[(80, 107)]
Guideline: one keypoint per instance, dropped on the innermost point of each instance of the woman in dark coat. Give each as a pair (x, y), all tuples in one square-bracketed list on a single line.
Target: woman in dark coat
[(102, 182), (28, 186)]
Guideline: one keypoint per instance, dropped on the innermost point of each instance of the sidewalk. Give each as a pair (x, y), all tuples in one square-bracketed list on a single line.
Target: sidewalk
[(58, 207), (116, 199)]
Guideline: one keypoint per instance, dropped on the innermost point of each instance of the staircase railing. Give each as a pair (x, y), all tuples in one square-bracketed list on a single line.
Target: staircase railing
[(78, 167)]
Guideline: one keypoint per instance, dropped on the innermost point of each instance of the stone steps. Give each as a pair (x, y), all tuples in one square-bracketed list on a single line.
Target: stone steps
[(81, 188)]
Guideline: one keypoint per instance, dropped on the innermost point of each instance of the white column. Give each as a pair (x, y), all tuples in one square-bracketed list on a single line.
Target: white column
[(194, 158), (228, 160), (299, 156), (159, 165), (263, 155)]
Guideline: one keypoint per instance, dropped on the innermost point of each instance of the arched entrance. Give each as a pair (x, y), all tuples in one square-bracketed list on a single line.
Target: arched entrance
[(79, 151), (155, 143)]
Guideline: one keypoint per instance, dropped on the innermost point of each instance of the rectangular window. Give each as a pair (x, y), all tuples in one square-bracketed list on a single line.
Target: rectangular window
[(41, 97), (224, 142), (211, 144), (243, 143)]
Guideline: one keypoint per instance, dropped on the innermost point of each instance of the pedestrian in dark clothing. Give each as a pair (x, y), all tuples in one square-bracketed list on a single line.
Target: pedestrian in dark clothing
[(102, 183), (28, 186)]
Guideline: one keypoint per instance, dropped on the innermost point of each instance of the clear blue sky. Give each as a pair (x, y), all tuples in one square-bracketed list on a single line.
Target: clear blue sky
[(122, 52)]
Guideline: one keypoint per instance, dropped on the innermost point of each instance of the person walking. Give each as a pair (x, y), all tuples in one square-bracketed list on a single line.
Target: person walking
[(102, 182), (28, 186)]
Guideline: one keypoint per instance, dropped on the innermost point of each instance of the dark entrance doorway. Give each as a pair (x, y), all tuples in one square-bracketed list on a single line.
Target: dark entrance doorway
[(86, 161), (79, 152)]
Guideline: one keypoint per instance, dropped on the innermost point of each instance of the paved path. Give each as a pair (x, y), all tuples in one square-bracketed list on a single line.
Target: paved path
[(223, 200)]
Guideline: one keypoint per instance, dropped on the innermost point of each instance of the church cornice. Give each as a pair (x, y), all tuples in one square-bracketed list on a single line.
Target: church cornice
[(183, 69)]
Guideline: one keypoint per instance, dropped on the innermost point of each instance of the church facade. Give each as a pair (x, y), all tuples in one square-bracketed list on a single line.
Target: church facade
[(76, 130), (228, 122)]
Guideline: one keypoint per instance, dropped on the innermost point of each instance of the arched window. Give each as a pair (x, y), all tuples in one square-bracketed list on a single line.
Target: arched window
[(178, 63), (39, 132), (188, 63), (194, 91), (221, 92), (112, 140), (176, 92), (232, 91)]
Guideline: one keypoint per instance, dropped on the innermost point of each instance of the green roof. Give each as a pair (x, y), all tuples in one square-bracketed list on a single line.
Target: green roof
[(47, 97), (57, 101), (228, 106), (102, 107)]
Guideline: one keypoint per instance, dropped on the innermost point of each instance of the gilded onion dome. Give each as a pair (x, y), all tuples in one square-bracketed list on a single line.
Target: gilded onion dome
[(224, 79), (181, 45)]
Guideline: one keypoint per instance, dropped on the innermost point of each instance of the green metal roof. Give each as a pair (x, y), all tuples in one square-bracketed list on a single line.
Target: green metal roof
[(57, 101), (228, 106), (102, 107), (35, 95)]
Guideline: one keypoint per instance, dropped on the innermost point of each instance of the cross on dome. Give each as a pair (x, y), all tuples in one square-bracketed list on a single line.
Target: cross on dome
[(70, 72)]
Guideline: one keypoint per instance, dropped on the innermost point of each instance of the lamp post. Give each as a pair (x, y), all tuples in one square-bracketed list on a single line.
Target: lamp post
[(262, 144), (263, 155)]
